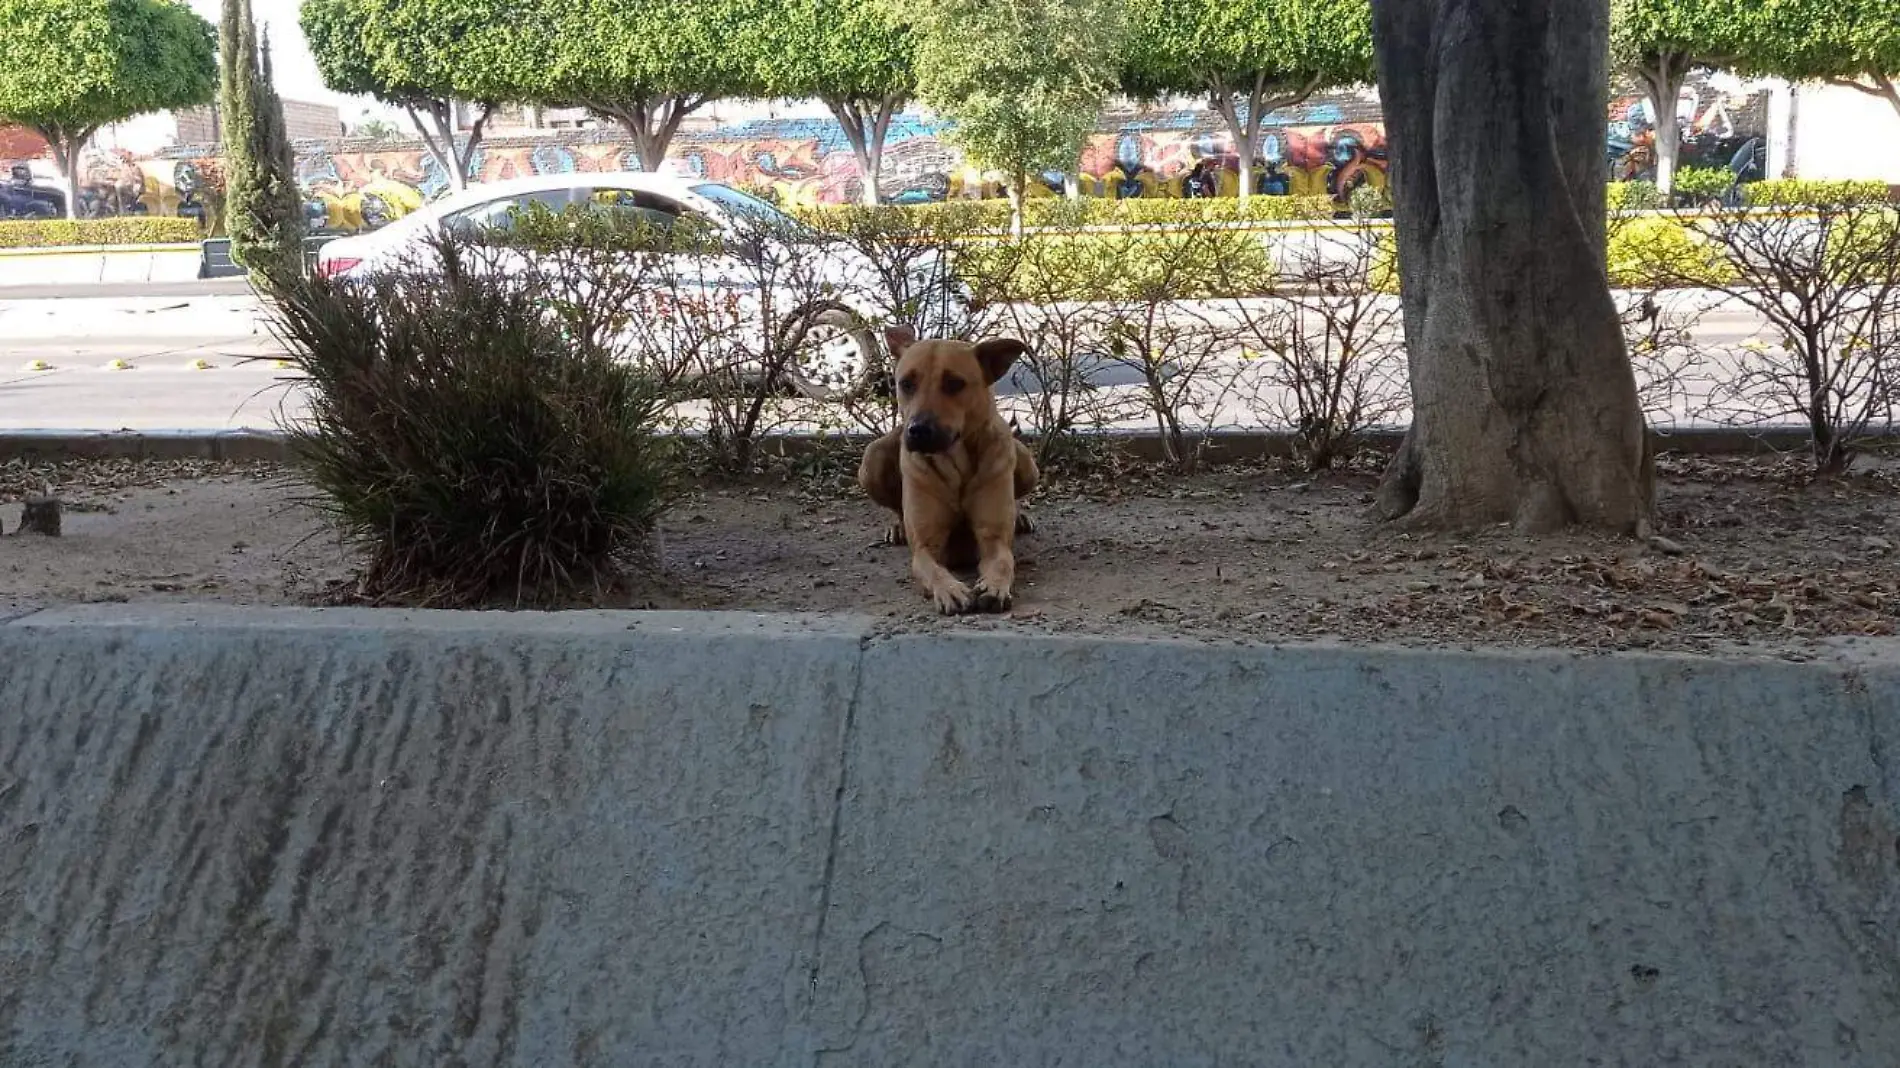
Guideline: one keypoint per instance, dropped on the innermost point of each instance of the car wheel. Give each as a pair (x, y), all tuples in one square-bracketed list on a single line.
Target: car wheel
[(839, 358)]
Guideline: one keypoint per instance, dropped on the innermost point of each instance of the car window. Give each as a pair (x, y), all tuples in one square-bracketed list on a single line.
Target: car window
[(499, 214), (747, 205), (648, 208)]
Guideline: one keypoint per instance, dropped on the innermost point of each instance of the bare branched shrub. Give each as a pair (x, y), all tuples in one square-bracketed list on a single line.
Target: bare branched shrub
[(1039, 291), (1326, 345), (1162, 327), (1826, 277), (913, 262), (478, 442), (769, 314), (1659, 322), (1659, 328)]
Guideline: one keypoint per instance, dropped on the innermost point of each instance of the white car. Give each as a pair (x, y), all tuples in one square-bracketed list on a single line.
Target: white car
[(845, 354)]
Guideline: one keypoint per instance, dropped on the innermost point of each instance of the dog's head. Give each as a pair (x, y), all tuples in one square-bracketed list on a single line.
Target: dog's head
[(943, 387)]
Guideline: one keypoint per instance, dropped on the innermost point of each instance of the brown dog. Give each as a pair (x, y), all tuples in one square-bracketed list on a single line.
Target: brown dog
[(952, 471)]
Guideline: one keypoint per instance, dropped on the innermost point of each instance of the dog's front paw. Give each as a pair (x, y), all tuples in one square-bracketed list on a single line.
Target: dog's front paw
[(1024, 524), (987, 599), (894, 535), (953, 598)]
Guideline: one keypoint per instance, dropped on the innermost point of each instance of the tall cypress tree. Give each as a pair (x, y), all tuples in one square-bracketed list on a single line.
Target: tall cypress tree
[(263, 210)]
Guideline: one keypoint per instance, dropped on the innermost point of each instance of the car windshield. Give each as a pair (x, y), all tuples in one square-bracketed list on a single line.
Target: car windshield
[(746, 204)]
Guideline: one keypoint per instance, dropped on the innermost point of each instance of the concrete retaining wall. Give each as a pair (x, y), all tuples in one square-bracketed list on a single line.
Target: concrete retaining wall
[(295, 837), (100, 264)]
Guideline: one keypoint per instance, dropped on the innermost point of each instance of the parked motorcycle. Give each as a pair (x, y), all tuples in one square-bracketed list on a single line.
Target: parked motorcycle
[(21, 199)]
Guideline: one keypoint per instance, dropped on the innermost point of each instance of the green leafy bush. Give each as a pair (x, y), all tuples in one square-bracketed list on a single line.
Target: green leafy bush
[(82, 233), (1370, 202), (476, 447), (1187, 263), (993, 215), (1803, 192), (575, 228), (1383, 265), (1699, 185), (1634, 196), (1658, 251)]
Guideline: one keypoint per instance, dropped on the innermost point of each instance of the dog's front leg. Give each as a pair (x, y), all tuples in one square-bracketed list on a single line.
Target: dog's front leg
[(927, 524), (993, 521)]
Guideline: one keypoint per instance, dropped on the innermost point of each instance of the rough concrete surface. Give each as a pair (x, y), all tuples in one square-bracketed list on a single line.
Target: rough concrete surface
[(295, 837), (480, 840)]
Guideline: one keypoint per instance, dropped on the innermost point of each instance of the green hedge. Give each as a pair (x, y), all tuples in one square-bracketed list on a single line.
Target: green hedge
[(1802, 192), (1779, 192), (1089, 211), (1653, 251), (123, 230), (1696, 185), (1133, 265)]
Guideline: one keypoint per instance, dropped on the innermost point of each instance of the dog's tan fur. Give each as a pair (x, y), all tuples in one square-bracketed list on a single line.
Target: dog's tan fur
[(956, 506)]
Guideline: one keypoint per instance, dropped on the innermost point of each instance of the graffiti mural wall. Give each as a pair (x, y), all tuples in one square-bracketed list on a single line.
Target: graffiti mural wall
[(1326, 148), (1717, 115), (805, 163), (354, 185)]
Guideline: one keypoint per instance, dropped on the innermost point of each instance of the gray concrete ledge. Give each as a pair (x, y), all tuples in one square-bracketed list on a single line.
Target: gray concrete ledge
[(354, 837), (271, 445)]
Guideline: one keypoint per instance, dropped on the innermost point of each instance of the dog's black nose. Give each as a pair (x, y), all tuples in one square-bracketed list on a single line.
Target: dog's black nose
[(920, 435)]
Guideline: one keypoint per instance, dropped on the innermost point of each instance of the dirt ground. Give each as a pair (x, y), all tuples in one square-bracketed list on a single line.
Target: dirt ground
[(1756, 554)]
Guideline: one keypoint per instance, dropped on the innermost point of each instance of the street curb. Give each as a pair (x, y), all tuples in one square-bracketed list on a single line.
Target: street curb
[(735, 838), (231, 445), (274, 446)]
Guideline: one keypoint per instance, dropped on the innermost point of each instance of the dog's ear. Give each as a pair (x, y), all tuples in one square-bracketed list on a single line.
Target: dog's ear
[(996, 356), (897, 339)]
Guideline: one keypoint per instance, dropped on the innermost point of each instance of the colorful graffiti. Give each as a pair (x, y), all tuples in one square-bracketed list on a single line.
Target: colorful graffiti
[(1716, 115), (1322, 150), (351, 187), (806, 166)]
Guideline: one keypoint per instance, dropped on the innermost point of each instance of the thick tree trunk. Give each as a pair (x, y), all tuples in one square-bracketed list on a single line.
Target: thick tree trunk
[(651, 123), (1524, 404), (68, 148), (66, 158), (1662, 79), (434, 120), (1017, 192), (867, 125), (1242, 132)]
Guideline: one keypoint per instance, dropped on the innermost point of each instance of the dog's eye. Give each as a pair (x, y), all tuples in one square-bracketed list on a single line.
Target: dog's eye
[(952, 385), (907, 386)]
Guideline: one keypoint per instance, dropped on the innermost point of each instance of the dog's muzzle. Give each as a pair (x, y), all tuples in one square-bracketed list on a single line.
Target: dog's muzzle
[(923, 435)]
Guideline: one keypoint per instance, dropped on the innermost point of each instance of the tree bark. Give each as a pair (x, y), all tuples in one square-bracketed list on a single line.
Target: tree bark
[(1663, 77), (1018, 192), (438, 138), (465, 157), (1524, 404), (68, 146), (1241, 132), (1261, 101), (651, 122), (867, 126)]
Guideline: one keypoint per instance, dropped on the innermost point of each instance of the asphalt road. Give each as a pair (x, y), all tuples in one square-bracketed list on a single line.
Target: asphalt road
[(230, 381)]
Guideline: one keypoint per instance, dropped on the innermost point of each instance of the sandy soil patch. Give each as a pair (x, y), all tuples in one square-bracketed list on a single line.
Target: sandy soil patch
[(1760, 555)]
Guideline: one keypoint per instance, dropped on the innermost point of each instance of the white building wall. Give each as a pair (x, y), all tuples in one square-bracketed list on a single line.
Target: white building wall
[(1842, 134), (141, 135)]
